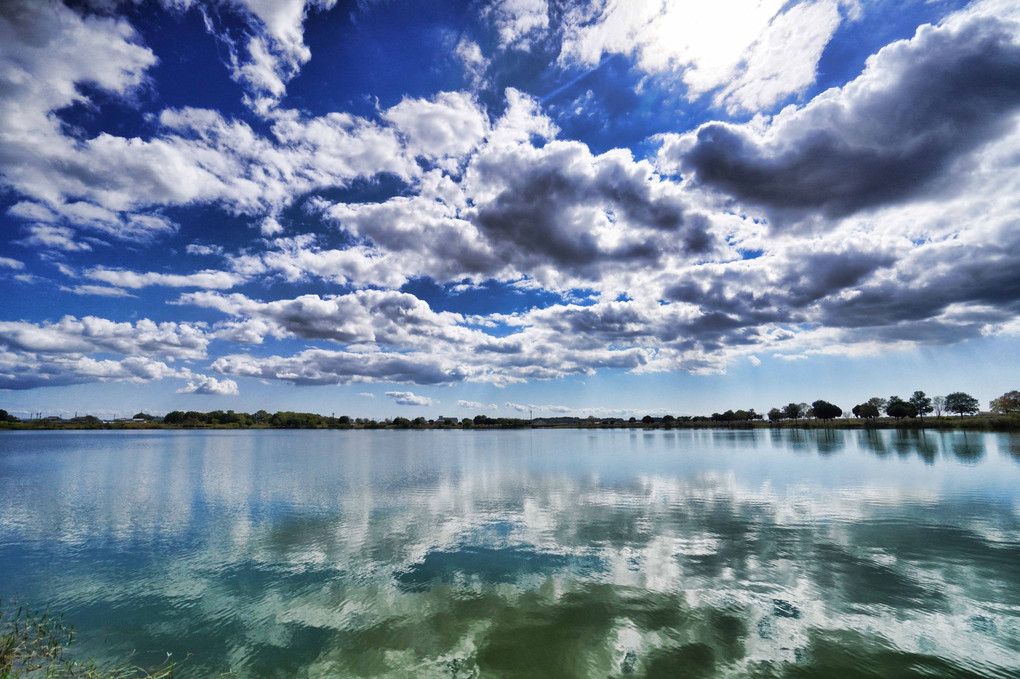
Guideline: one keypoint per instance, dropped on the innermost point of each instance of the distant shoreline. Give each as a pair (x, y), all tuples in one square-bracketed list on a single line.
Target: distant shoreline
[(982, 422)]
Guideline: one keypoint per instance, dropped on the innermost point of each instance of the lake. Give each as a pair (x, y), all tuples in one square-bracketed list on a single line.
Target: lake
[(556, 553)]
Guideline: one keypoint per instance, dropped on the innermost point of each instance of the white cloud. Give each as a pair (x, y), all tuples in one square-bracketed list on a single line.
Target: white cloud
[(475, 63), (275, 50), (203, 384), (767, 52), (319, 366), (388, 318), (100, 290), (449, 125), (10, 263), (518, 22), (21, 370), (203, 249), (92, 334), (209, 279), (407, 398), (52, 238), (475, 405), (109, 184), (783, 60)]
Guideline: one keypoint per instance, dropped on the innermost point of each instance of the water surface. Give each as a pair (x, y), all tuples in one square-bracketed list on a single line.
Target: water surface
[(566, 553)]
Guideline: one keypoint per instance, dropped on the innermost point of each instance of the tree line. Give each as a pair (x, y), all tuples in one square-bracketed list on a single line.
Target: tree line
[(917, 406)]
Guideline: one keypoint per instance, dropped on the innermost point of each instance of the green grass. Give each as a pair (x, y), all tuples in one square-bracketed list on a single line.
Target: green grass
[(34, 645)]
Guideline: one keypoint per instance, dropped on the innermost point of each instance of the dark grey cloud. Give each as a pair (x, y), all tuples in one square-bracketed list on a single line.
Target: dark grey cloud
[(23, 370), (975, 286), (550, 205), (885, 137), (318, 366), (818, 275)]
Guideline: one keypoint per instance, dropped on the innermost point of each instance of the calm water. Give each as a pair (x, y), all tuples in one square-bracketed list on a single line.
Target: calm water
[(523, 554)]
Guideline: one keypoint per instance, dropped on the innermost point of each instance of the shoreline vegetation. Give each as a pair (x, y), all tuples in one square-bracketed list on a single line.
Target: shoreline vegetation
[(35, 644), (955, 411)]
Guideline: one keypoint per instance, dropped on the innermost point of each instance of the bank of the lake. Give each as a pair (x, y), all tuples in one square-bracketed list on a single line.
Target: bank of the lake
[(981, 422)]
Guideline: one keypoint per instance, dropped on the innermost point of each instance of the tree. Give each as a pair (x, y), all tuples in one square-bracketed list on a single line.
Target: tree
[(6, 417), (961, 403), (776, 414), (826, 411), (922, 404), (866, 410), (898, 408), (1007, 404), (793, 411), (939, 405), (879, 403), (648, 419)]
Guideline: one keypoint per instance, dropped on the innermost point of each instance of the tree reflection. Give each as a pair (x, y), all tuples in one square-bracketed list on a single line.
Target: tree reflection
[(830, 441), (969, 448), (910, 441), (872, 440)]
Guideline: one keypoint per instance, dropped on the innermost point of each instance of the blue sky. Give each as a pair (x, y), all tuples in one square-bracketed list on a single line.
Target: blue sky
[(394, 207)]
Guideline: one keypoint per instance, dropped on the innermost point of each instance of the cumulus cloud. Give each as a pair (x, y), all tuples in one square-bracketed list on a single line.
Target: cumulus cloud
[(209, 279), (21, 370), (384, 317), (518, 22), (141, 228), (475, 405), (52, 238), (448, 126), (783, 60), (556, 213), (203, 384), (876, 215), (113, 185), (559, 208), (755, 54), (407, 398), (920, 105), (277, 54), (319, 366), (91, 334)]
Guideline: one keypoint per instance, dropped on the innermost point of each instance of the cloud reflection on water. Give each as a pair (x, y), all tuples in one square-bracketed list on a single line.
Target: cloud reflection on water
[(525, 553)]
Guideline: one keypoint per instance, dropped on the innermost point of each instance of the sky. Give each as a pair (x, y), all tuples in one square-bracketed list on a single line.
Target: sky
[(503, 207)]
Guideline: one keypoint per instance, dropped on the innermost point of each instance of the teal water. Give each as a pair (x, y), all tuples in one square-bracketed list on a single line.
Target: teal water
[(523, 553)]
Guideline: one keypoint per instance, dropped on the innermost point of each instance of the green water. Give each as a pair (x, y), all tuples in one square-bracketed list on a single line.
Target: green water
[(523, 553)]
